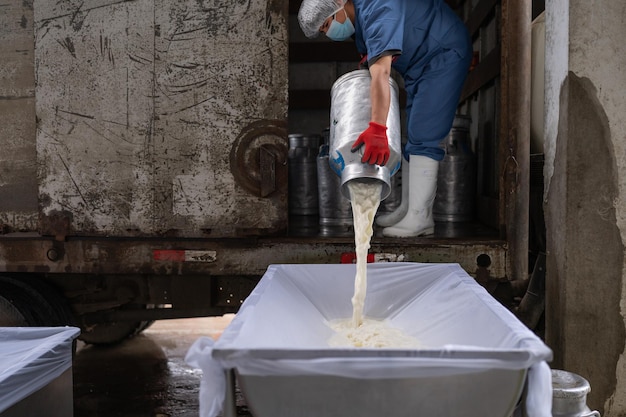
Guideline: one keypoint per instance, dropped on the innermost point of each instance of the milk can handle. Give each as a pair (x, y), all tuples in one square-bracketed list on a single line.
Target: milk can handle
[(591, 414)]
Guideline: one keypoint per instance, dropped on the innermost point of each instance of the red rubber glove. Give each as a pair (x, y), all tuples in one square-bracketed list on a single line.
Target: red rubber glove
[(376, 144)]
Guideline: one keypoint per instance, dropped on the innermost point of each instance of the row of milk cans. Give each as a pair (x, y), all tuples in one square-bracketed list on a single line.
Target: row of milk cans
[(314, 188)]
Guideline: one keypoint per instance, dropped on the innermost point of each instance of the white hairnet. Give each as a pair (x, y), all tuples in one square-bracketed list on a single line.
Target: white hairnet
[(313, 13)]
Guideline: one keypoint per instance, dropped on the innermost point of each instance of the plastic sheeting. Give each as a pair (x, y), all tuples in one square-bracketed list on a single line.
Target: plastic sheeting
[(281, 329), (30, 358)]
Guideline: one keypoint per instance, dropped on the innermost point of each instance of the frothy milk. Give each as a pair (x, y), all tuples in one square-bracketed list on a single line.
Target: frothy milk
[(365, 199), (370, 334)]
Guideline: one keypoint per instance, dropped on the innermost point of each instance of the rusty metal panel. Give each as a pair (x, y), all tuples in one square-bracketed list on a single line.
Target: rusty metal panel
[(18, 169), (153, 115), (228, 257)]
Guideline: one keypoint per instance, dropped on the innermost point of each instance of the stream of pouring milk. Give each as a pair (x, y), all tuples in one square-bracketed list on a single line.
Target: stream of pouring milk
[(365, 199), (360, 331)]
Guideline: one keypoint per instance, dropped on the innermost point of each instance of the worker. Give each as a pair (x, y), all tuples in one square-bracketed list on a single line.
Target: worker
[(429, 46)]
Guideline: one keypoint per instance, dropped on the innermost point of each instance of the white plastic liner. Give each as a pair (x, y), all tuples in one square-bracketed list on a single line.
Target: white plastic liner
[(281, 330), (31, 358)]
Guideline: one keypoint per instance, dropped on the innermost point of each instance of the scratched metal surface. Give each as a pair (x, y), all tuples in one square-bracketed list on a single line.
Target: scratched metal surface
[(140, 105), (18, 170)]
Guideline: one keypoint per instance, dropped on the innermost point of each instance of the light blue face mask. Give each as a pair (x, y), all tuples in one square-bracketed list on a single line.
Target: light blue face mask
[(340, 31)]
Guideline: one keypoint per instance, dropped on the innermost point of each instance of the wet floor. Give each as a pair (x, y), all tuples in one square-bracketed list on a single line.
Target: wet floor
[(145, 376)]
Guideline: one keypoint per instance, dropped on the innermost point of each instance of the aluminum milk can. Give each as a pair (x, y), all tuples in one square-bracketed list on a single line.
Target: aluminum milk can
[(350, 113), (569, 395), (335, 211), (302, 157), (456, 182)]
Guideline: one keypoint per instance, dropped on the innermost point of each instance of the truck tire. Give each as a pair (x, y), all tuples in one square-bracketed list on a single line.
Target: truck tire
[(115, 332), (11, 314), (32, 302), (109, 333)]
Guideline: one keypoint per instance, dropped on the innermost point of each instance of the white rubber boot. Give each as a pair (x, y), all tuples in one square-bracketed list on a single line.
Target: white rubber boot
[(385, 220), (418, 220)]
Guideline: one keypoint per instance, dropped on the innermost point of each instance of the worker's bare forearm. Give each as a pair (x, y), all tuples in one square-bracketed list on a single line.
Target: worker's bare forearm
[(380, 91)]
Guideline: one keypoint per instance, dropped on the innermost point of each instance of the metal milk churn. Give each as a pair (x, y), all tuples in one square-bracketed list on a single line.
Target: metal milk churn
[(350, 113), (302, 157), (456, 182), (569, 395), (335, 211)]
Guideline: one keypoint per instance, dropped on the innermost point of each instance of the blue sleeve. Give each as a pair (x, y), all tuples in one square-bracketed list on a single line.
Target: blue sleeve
[(382, 25)]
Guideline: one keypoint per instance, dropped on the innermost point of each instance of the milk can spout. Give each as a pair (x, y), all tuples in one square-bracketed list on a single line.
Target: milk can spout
[(350, 112), (356, 172)]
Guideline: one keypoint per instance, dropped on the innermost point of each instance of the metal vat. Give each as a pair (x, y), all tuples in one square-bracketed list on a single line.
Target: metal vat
[(350, 112), (456, 183), (36, 371)]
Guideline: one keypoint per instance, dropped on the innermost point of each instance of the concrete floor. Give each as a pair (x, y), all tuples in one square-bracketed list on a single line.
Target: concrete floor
[(145, 376)]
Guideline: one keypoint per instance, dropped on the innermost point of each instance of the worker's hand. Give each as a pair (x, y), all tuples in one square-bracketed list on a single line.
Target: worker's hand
[(376, 146)]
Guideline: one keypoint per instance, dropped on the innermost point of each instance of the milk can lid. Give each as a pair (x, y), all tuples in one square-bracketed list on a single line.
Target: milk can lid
[(569, 385)]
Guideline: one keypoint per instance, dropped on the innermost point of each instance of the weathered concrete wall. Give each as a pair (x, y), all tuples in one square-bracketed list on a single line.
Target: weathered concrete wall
[(585, 131)]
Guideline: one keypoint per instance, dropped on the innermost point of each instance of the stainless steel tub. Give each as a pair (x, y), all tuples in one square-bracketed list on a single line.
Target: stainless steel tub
[(492, 393), (474, 361)]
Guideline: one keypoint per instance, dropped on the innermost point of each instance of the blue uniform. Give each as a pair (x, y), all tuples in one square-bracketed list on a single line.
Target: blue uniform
[(432, 50)]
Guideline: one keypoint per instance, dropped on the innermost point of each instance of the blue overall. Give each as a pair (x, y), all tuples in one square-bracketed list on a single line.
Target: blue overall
[(432, 51)]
